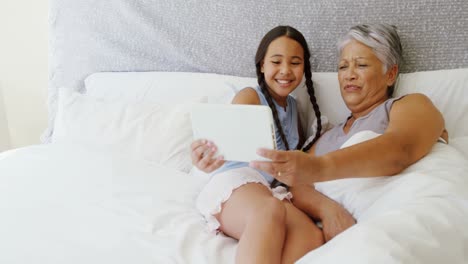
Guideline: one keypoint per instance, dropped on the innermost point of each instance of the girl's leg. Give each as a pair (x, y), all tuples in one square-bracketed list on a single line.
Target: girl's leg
[(302, 235), (258, 220)]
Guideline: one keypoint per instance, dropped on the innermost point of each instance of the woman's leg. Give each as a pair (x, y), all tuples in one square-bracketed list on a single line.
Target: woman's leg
[(258, 220), (302, 235)]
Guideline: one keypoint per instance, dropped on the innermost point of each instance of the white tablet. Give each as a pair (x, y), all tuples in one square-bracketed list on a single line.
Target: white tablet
[(237, 130)]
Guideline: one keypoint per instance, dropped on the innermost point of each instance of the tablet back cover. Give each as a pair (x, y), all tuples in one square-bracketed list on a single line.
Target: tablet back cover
[(237, 130)]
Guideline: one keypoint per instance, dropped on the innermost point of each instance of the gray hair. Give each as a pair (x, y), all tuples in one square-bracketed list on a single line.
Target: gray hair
[(383, 39)]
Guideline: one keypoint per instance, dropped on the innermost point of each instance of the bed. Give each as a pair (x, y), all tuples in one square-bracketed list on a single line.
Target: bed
[(113, 182)]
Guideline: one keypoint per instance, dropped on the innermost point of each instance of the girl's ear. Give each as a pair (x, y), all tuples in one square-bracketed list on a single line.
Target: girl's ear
[(261, 66), (391, 75)]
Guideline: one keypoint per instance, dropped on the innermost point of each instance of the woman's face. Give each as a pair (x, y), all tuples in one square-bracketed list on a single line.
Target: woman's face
[(283, 67), (363, 82)]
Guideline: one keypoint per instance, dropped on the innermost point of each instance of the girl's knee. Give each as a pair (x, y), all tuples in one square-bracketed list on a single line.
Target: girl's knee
[(270, 211)]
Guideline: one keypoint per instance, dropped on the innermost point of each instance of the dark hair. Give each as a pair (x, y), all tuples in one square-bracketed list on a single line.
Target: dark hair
[(293, 34)]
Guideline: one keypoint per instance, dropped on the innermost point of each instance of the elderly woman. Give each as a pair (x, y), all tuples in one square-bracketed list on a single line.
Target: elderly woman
[(369, 61)]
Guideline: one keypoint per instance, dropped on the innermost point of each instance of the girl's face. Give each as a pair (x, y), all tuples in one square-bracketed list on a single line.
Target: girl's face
[(363, 82), (283, 67)]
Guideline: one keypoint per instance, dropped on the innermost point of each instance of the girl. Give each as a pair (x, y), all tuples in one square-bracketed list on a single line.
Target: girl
[(245, 203)]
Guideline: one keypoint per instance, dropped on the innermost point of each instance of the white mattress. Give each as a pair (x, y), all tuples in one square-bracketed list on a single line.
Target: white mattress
[(69, 204)]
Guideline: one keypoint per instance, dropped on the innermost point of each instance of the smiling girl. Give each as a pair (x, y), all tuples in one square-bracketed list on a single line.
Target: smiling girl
[(245, 203)]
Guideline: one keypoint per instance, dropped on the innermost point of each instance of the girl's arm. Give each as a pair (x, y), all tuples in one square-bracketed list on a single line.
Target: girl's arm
[(246, 96)]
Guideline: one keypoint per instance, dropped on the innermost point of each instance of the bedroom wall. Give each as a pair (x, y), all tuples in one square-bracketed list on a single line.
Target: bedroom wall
[(23, 69), (4, 133)]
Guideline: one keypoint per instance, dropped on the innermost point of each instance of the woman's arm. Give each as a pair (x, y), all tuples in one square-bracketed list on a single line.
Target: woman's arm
[(414, 127), (334, 217), (203, 151)]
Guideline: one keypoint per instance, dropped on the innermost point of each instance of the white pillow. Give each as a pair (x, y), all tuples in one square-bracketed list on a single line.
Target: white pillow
[(218, 88), (461, 144), (156, 132), (329, 99), (447, 88), (169, 87)]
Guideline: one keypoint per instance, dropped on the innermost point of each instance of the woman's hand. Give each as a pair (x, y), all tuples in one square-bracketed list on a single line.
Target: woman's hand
[(202, 155), (335, 218), (290, 167)]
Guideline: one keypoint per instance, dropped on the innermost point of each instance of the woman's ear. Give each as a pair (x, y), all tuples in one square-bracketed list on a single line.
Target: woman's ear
[(261, 66), (392, 75)]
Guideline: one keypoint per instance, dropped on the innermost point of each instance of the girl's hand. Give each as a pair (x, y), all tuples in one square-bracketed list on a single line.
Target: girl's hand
[(202, 155)]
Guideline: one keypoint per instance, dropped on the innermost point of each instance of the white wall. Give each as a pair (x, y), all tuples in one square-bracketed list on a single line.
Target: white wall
[(4, 133), (23, 68)]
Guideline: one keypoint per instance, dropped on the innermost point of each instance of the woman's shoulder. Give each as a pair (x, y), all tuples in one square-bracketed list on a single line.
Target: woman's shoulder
[(247, 95), (415, 96), (414, 104), (413, 100)]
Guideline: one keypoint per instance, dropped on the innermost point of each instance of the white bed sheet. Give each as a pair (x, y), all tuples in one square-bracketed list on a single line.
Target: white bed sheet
[(69, 204), (461, 144), (418, 216)]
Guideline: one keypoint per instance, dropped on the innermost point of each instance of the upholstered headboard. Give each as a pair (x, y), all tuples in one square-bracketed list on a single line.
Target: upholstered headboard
[(214, 36)]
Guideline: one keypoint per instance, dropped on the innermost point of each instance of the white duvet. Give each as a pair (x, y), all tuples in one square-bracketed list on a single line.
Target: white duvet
[(69, 204)]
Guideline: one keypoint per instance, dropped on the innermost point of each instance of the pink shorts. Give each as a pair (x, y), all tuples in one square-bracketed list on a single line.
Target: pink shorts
[(220, 187)]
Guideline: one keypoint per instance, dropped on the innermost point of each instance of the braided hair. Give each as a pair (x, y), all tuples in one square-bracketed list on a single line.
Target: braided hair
[(293, 34)]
